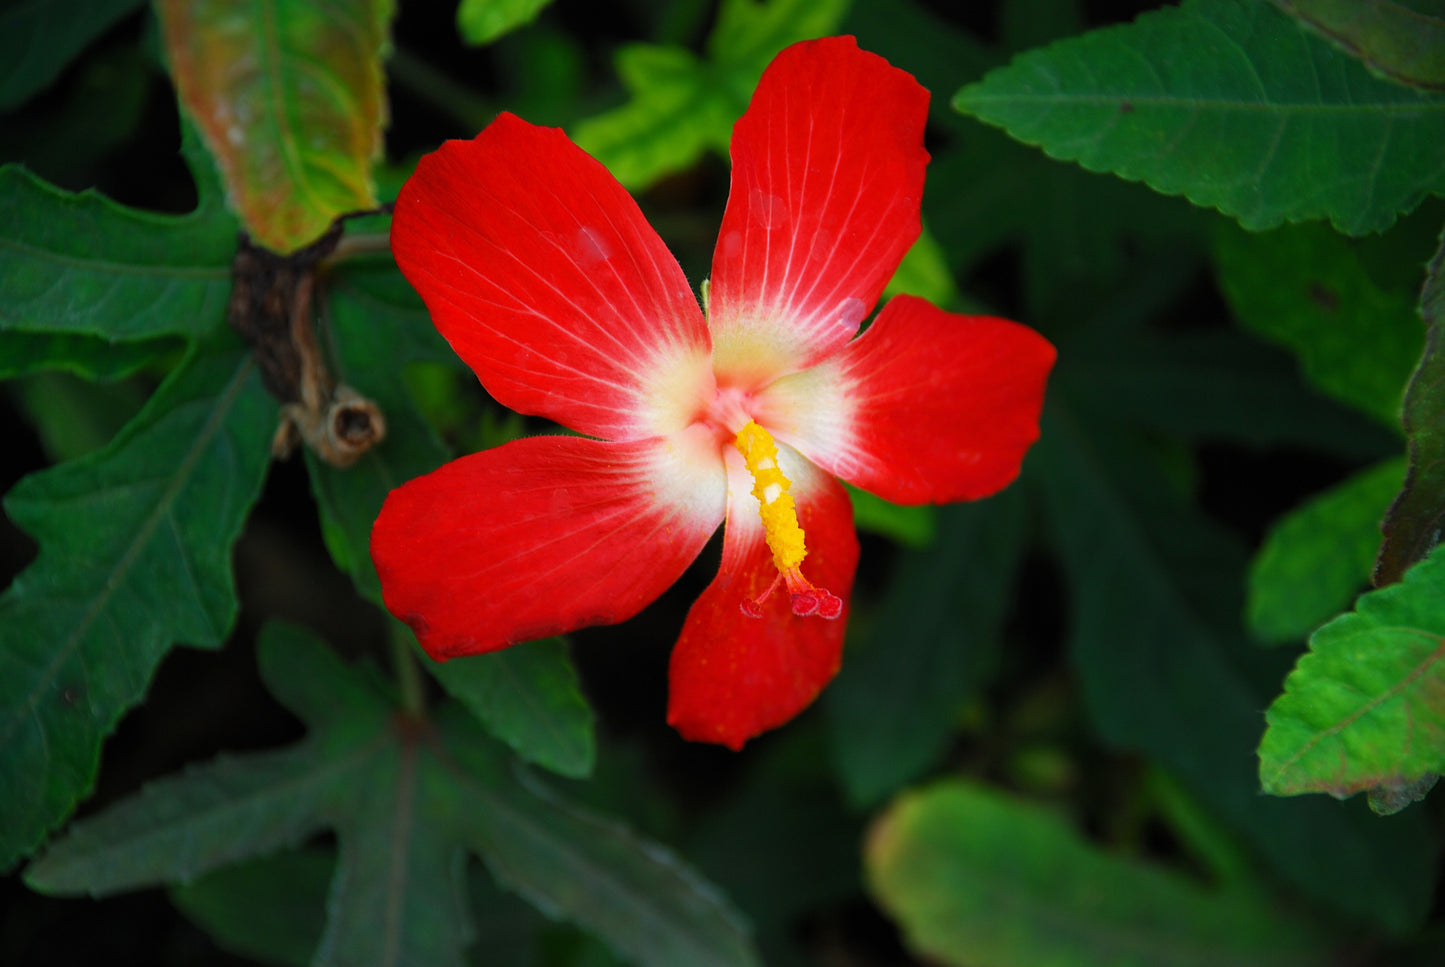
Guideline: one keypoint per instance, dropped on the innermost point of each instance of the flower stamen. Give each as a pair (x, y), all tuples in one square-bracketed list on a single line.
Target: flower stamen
[(781, 528)]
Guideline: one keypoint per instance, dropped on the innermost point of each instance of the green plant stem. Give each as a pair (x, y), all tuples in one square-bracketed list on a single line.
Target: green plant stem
[(408, 676)]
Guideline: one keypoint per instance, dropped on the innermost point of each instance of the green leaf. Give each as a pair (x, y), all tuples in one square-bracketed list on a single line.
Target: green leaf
[(1231, 105), (528, 696), (1152, 586), (290, 101), (1412, 526), (42, 36), (80, 264), (72, 417), (1404, 41), (642, 900), (272, 909), (135, 545), (682, 106), (1307, 288), (378, 327), (910, 526), (431, 790), (1316, 558), (81, 355), (483, 21), (924, 272), (1363, 708), (977, 879), (935, 637)]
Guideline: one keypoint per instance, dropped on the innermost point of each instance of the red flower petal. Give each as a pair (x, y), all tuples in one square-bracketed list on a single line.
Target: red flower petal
[(541, 272), (734, 676), (925, 406), (544, 535), (826, 185)]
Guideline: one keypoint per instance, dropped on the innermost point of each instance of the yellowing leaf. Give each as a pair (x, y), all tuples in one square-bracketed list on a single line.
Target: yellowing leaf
[(290, 100)]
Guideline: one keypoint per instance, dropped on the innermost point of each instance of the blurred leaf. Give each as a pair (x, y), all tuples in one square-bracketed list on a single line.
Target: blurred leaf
[(1216, 384), (910, 526), (528, 696), (1080, 234), (977, 879), (438, 787), (42, 36), (1363, 708), (894, 706), (681, 106), (290, 100), (1231, 105), (1306, 287), (1162, 674), (483, 21), (81, 264), (774, 842), (88, 357), (135, 546), (1316, 558), (912, 37), (70, 136), (73, 417), (1401, 39), (924, 272), (272, 910), (1412, 526)]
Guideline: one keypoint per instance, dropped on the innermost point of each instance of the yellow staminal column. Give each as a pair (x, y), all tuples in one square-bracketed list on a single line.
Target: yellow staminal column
[(781, 528)]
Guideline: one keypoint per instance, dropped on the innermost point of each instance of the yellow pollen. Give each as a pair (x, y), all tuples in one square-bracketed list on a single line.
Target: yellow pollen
[(770, 486)]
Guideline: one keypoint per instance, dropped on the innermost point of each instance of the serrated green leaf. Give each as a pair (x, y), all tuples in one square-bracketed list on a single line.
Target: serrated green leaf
[(894, 705), (1151, 587), (272, 909), (528, 696), (134, 556), (205, 817), (1307, 288), (1231, 105), (1412, 526), (42, 36), (80, 264), (408, 797), (1404, 41), (1316, 558), (1364, 707), (681, 106), (290, 101), (483, 21), (638, 897), (977, 879)]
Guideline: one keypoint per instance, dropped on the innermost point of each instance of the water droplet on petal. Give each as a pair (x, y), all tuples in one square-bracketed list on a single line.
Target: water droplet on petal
[(768, 210), (592, 247), (850, 313)]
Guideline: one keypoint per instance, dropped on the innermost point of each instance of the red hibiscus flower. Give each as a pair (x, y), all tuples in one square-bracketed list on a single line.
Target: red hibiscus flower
[(539, 269)]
